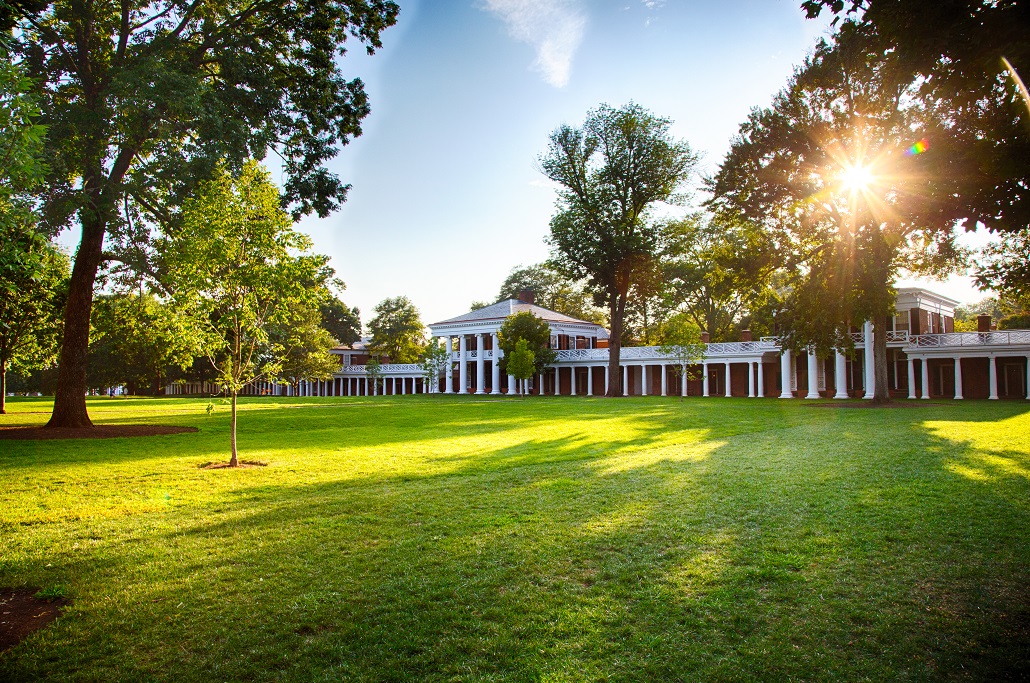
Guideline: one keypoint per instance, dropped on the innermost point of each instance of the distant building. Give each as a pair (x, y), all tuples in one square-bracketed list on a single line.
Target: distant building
[(926, 358)]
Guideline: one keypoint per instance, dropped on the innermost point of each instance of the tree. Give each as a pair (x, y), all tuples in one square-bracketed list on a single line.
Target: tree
[(374, 370), (476, 305), (521, 364), (339, 320), (534, 331), (961, 60), (397, 330), (613, 171), (144, 100), (33, 273), (305, 354), (239, 269), (831, 173), (718, 272), (681, 341), (33, 277), (135, 339), (551, 290), (435, 362)]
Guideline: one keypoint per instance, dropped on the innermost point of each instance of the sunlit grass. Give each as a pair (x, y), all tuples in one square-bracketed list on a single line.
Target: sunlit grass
[(448, 538)]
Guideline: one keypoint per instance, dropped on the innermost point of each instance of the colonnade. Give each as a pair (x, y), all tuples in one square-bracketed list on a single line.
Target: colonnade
[(464, 357)]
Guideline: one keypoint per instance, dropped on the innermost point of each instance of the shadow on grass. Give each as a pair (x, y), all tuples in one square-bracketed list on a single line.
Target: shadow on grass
[(766, 545)]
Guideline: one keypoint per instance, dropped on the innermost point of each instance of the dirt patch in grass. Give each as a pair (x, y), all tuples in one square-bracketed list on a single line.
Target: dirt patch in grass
[(244, 464), (21, 613), (95, 432)]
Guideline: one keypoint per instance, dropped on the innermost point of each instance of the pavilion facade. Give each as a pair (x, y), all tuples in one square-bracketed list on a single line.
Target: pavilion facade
[(926, 359)]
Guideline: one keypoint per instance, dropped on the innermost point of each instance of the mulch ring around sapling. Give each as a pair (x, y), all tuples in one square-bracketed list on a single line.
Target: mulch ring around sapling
[(95, 432), (244, 464), (25, 610)]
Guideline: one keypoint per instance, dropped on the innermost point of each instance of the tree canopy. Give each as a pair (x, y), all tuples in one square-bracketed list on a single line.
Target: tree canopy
[(144, 100), (534, 331), (834, 172), (551, 290), (953, 57), (397, 331), (612, 171)]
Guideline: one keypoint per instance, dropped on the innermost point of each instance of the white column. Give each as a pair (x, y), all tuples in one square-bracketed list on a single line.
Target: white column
[(404, 386), (541, 390), (590, 380), (664, 370), (448, 376), (480, 366), (511, 385), (729, 384), (572, 376), (994, 380), (911, 377), (1028, 378), (604, 392), (463, 371), (785, 379), (840, 375), (625, 380), (926, 379), (958, 379), (683, 380), (704, 379), (643, 380), (495, 384), (750, 379), (813, 374), (761, 379), (870, 372)]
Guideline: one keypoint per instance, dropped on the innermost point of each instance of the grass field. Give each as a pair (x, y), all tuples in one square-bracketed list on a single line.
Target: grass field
[(554, 539)]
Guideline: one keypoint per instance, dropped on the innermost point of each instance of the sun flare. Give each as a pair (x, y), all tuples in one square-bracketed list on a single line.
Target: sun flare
[(857, 178)]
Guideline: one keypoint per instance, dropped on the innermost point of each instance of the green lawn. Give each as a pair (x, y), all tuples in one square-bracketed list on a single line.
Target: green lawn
[(554, 539)]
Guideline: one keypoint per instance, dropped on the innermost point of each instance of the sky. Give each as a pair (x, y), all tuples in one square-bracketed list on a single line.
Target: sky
[(447, 194)]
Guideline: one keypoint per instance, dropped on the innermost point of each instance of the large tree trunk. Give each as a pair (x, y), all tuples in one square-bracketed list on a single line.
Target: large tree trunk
[(881, 391), (616, 310), (70, 396), (3, 387), (234, 461)]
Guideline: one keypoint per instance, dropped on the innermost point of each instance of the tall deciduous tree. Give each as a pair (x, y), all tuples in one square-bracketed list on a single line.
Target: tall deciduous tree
[(238, 267), (33, 273), (33, 279), (144, 99), (718, 271), (834, 170), (613, 171), (340, 320), (136, 339), (397, 330), (305, 356)]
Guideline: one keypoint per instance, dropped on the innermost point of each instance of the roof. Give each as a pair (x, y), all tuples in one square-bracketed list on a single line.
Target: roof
[(503, 309), (359, 345)]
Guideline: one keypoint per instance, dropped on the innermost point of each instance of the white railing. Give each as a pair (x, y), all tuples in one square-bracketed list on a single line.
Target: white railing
[(387, 369), (655, 352), (970, 339), (897, 336)]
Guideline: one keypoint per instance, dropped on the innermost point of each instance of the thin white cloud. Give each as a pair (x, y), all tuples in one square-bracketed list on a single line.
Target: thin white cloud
[(553, 27)]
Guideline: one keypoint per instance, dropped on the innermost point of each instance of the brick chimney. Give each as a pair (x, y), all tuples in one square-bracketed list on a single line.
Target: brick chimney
[(526, 296), (704, 337), (745, 335), (983, 323)]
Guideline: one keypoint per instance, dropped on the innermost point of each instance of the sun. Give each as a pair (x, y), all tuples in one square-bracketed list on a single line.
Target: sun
[(857, 178)]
